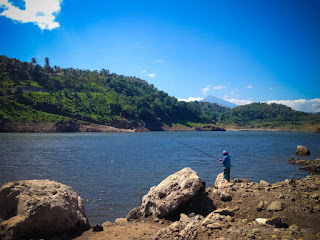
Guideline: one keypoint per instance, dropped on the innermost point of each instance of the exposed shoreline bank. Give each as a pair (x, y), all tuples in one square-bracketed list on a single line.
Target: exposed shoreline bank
[(289, 209), (77, 126)]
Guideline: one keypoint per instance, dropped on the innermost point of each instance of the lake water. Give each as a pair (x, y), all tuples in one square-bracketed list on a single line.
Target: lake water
[(111, 171)]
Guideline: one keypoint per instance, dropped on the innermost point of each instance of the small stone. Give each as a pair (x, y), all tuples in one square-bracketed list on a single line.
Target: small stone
[(183, 233), (275, 206), (121, 221), (261, 221), (261, 206), (314, 196), (229, 219), (294, 228), (264, 183), (214, 226), (316, 208), (256, 230), (207, 222)]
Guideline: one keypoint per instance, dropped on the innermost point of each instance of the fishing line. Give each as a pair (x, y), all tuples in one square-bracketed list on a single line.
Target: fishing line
[(197, 150)]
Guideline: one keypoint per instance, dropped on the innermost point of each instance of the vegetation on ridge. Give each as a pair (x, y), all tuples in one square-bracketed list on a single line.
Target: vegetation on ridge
[(32, 93)]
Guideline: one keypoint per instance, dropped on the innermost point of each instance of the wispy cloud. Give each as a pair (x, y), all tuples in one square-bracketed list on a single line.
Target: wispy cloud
[(159, 61), (144, 71), (151, 75), (206, 89), (190, 99), (250, 86), (218, 87), (238, 101), (40, 12), (312, 105)]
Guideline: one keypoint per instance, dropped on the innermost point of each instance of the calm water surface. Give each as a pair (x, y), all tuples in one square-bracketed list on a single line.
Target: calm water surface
[(111, 171)]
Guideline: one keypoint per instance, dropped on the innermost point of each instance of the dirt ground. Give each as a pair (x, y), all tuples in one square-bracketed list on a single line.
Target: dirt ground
[(292, 208)]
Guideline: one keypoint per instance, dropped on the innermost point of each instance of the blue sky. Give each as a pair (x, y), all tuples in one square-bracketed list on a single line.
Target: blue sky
[(240, 51)]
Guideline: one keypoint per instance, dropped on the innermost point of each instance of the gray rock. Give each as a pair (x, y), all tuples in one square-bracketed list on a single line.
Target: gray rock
[(302, 150), (275, 206), (186, 228), (134, 214), (214, 225), (220, 181), (264, 183), (121, 221), (261, 206), (171, 193), (40, 208)]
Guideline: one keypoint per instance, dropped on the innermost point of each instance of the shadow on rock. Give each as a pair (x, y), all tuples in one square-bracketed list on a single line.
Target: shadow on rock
[(198, 204)]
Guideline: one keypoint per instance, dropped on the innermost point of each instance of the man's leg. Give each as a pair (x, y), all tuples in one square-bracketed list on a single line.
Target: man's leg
[(226, 174)]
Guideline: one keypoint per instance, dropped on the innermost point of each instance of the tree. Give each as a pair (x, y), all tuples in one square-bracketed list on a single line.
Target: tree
[(47, 65), (33, 61)]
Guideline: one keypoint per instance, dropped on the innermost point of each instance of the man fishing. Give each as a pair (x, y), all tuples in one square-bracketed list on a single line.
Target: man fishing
[(226, 161)]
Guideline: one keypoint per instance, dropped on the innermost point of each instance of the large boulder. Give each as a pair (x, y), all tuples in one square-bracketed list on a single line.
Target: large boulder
[(175, 190), (302, 150), (40, 209)]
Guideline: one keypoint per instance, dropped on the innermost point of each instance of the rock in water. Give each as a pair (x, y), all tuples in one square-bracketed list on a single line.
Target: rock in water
[(171, 193), (40, 209), (302, 150)]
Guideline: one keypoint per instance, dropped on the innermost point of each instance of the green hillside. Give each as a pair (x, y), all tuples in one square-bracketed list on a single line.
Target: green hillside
[(32, 93), (97, 97), (263, 115)]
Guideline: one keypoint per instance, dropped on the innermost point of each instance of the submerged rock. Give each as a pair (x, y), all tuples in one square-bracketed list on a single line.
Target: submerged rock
[(175, 190), (302, 150), (40, 208)]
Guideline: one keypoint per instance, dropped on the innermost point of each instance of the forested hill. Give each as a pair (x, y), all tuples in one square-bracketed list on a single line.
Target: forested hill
[(32, 93), (270, 116)]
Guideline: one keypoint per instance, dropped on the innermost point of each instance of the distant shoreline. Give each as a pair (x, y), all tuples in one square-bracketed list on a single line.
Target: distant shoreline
[(74, 126)]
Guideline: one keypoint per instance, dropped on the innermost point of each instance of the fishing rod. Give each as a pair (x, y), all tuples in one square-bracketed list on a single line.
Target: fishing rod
[(198, 150)]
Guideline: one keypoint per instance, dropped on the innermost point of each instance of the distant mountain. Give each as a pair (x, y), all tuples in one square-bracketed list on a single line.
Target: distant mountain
[(213, 99)]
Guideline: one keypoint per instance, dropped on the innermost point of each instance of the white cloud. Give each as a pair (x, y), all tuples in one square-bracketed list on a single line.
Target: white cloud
[(218, 87), (151, 75), (206, 89), (159, 61), (144, 71), (238, 101), (312, 105), (250, 86), (190, 99), (40, 12)]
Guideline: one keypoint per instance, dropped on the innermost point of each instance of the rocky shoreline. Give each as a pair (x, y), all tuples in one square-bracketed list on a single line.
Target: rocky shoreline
[(237, 210), (178, 208)]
